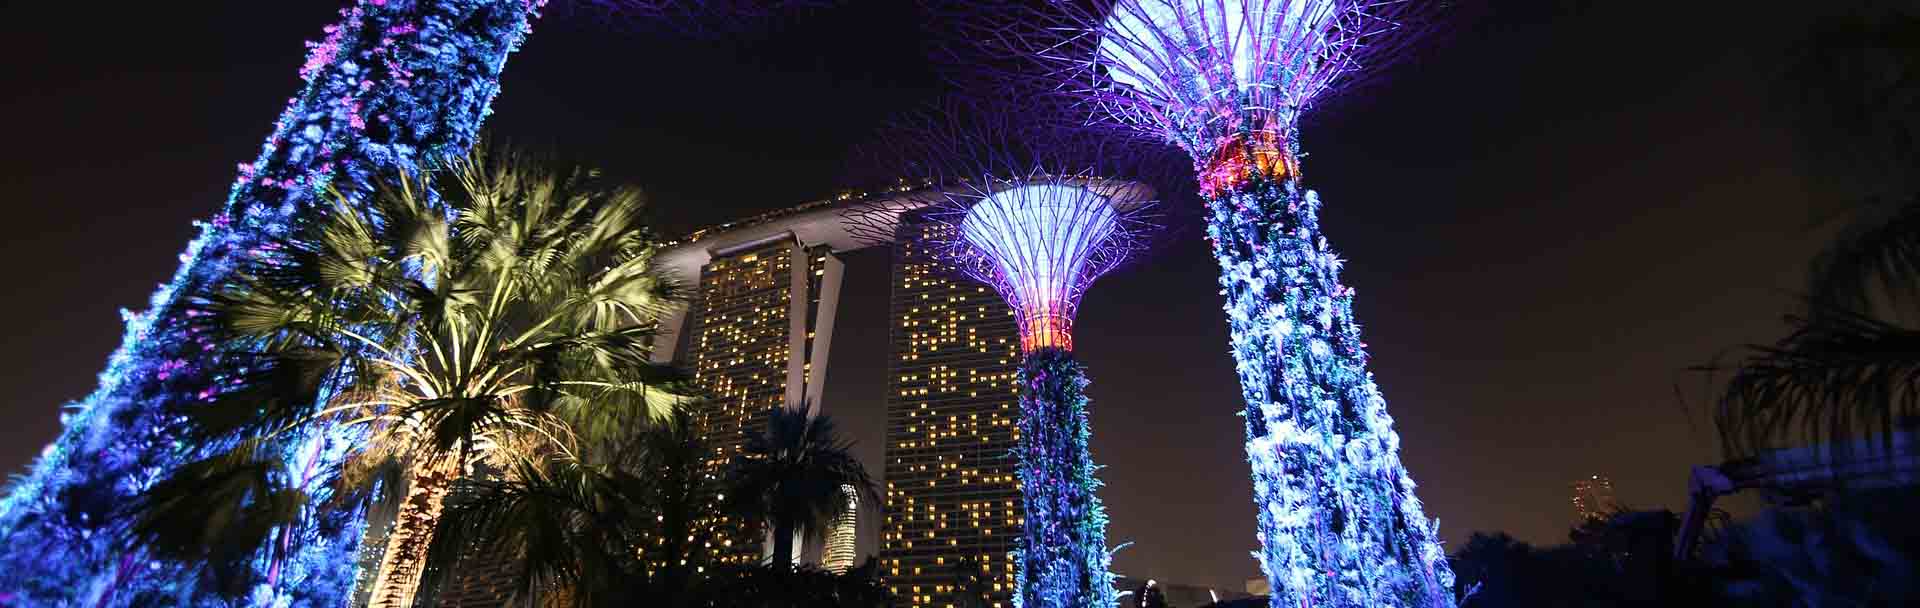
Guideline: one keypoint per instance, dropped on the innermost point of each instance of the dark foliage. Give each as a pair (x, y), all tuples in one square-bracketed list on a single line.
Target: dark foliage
[(1849, 367), (1620, 560), (1834, 379), (790, 475), (776, 587), (1856, 549), (602, 535)]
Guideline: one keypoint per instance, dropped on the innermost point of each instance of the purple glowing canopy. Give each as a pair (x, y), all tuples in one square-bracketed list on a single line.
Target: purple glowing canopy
[(1190, 71), (1041, 242), (1286, 48), (1016, 200)]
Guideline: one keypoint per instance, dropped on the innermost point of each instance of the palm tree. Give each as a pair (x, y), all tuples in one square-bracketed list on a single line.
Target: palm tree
[(791, 474), (608, 533), (499, 312), (1851, 366), (973, 586), (1856, 81)]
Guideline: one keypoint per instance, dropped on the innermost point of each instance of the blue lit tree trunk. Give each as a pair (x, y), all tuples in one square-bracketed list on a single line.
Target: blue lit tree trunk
[(1339, 524), (1063, 560), (395, 84)]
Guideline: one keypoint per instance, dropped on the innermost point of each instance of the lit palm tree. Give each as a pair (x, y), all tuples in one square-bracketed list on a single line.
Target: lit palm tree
[(385, 339), (790, 475)]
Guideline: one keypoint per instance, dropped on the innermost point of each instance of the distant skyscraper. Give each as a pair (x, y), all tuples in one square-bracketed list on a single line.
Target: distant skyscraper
[(762, 322), (951, 486), (839, 553), (1592, 497)]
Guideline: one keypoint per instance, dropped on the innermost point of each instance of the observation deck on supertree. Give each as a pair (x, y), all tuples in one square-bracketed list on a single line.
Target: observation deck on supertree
[(1227, 81), (1039, 236)]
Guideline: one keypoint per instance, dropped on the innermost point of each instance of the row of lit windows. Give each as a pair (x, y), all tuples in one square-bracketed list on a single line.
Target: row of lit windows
[(951, 349)]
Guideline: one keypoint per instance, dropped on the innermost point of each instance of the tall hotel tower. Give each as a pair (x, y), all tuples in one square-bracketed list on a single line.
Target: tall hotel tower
[(755, 336), (952, 494)]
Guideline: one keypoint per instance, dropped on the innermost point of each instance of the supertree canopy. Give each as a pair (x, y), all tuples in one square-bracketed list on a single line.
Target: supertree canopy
[(1227, 81), (1039, 229), (1040, 245), (394, 86)]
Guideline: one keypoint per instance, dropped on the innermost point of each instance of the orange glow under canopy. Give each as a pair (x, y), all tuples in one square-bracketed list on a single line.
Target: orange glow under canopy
[(1241, 156), (1044, 331)]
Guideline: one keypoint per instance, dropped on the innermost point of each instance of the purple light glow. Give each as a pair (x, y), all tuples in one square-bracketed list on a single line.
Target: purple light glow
[(1040, 243), (1040, 239), (1195, 72), (1252, 37)]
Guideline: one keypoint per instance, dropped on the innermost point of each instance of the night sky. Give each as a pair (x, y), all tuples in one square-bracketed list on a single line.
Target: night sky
[(1549, 215)]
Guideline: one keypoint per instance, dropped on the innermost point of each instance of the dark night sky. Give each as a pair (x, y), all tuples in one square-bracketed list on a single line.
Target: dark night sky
[(1548, 217)]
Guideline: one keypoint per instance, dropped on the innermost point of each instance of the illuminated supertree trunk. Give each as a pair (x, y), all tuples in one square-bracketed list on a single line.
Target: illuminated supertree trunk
[(1226, 81), (1063, 557), (1040, 236), (1040, 242), (394, 84), (1339, 523)]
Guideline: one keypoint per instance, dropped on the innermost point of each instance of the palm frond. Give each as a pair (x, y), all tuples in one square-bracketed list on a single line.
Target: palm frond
[(564, 524), (263, 393), (794, 471), (1875, 260), (1834, 379), (218, 512), (497, 316)]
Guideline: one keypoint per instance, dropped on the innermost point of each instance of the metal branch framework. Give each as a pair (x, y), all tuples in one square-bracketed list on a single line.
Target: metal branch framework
[(1040, 240), (1198, 73), (1037, 214)]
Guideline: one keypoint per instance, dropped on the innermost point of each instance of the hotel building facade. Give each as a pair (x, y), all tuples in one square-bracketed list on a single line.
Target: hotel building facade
[(952, 493), (757, 334)]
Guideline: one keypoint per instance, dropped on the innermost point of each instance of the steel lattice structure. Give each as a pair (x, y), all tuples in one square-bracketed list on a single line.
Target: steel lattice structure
[(1040, 240), (1034, 212), (1206, 75), (1228, 81)]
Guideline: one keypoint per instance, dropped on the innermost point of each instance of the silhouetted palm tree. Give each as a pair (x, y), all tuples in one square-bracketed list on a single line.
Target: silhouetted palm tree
[(790, 475), (1856, 78), (1851, 366), (505, 317), (972, 582)]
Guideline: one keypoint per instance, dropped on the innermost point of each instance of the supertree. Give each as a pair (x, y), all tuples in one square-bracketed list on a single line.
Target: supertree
[(394, 86), (1038, 224), (1227, 81)]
